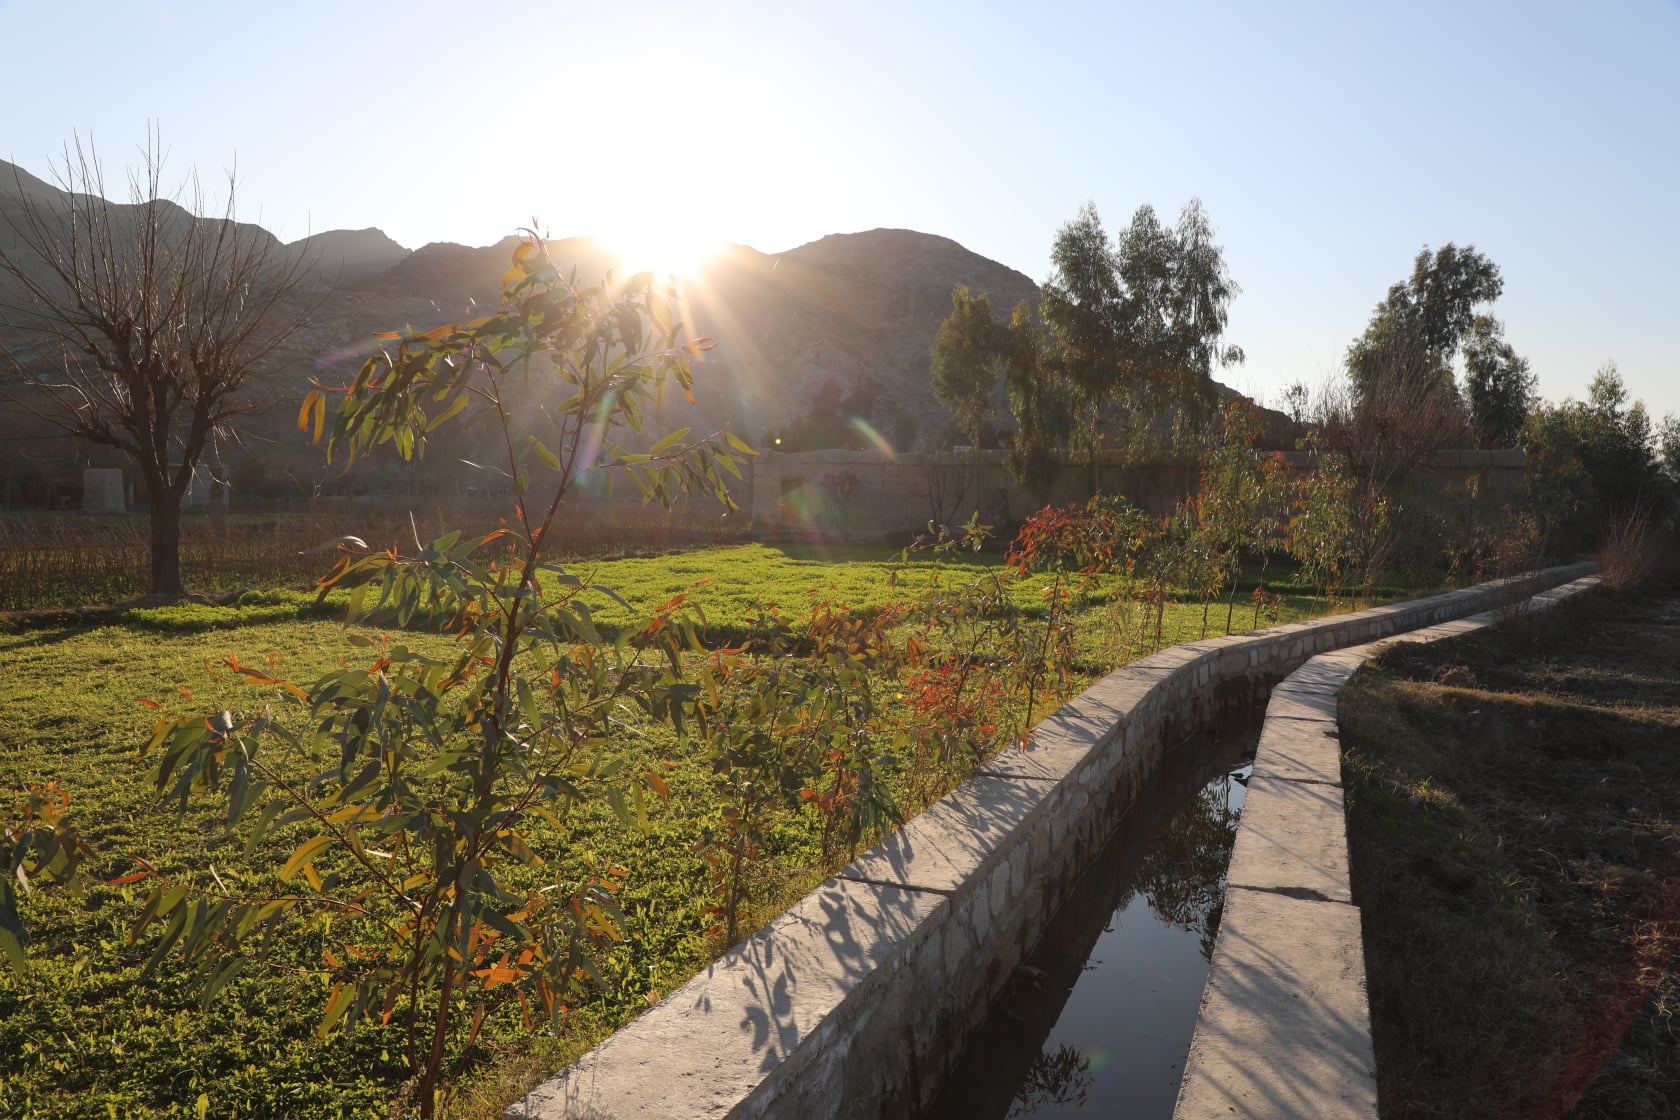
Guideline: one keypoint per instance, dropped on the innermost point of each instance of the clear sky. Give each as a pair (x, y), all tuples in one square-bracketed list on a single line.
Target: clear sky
[(1329, 142)]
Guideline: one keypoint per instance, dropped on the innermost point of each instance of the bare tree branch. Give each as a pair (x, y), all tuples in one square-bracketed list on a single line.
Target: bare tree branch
[(145, 323)]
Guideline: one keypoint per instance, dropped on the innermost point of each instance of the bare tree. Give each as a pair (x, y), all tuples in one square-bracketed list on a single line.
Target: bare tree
[(143, 325)]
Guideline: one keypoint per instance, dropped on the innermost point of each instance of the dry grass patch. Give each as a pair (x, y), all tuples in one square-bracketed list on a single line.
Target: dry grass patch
[(1512, 807)]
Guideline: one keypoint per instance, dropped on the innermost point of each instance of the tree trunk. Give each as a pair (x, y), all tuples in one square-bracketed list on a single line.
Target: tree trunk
[(166, 537)]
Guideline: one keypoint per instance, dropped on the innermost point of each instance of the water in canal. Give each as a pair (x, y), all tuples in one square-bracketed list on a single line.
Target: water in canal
[(1098, 1021)]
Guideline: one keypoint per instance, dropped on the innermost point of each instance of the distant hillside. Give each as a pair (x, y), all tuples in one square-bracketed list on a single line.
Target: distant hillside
[(856, 312), (16, 182), (849, 318), (348, 256)]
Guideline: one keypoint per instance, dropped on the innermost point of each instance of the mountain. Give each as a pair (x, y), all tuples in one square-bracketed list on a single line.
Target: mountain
[(15, 182), (348, 255), (852, 315), (828, 331)]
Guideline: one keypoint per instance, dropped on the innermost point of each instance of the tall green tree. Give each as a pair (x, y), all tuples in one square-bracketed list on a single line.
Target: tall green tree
[(966, 354), (1416, 331), (1040, 398), (1498, 385), (1590, 461), (1138, 322), (1133, 324), (1668, 446), (1082, 306), (1179, 293)]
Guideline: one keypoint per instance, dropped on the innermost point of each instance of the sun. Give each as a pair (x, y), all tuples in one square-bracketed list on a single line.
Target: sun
[(665, 248)]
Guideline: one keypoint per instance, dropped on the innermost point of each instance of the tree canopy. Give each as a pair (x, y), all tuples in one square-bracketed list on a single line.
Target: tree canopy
[(1401, 369), (965, 362), (1138, 322), (1594, 460), (1418, 327), (1130, 325), (1498, 386)]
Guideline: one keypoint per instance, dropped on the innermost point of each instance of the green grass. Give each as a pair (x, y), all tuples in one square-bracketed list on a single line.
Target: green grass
[(85, 1035)]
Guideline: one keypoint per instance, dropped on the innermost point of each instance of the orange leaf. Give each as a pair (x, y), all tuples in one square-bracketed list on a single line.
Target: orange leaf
[(148, 703)]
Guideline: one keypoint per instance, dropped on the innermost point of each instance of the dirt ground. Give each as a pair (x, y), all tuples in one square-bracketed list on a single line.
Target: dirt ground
[(1513, 801)]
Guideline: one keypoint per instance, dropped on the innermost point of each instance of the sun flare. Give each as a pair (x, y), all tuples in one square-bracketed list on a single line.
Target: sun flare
[(668, 251)]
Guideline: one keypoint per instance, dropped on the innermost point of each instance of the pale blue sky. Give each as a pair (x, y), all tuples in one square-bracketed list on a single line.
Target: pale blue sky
[(1329, 141)]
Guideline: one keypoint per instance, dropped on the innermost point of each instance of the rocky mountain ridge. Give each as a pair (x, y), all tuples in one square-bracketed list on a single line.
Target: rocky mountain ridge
[(853, 314)]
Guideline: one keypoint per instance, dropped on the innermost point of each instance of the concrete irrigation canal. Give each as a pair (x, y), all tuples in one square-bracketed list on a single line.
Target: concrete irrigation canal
[(859, 1000), (1097, 1020)]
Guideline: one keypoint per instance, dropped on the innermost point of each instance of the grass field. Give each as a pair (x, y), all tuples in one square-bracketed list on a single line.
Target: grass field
[(86, 1035), (68, 560)]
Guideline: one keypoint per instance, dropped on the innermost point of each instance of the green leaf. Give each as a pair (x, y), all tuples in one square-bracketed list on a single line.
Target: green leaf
[(615, 801), (563, 576), (337, 1004), (223, 975), (545, 454), (304, 854), (11, 939), (455, 406), (171, 934), (669, 441)]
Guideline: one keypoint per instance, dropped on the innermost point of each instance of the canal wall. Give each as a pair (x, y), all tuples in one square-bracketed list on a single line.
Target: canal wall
[(855, 1001), (1284, 1029)]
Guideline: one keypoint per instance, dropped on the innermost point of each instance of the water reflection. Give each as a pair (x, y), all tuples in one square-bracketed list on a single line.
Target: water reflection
[(1059, 1078), (1098, 1021), (1182, 875)]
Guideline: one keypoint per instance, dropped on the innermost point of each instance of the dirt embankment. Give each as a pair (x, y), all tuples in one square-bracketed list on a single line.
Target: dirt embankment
[(1513, 801)]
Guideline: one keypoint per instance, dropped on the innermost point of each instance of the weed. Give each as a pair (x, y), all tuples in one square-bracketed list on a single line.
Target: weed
[(1632, 551)]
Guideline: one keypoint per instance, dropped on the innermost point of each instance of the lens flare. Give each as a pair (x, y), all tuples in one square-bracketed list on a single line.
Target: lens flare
[(874, 437), (594, 436)]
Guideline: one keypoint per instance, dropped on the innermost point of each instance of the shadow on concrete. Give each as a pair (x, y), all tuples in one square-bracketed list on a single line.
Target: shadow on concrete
[(1286, 985)]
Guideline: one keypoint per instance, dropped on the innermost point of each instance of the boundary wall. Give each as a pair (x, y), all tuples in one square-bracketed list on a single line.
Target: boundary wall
[(874, 495), (1285, 1027), (856, 1001)]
